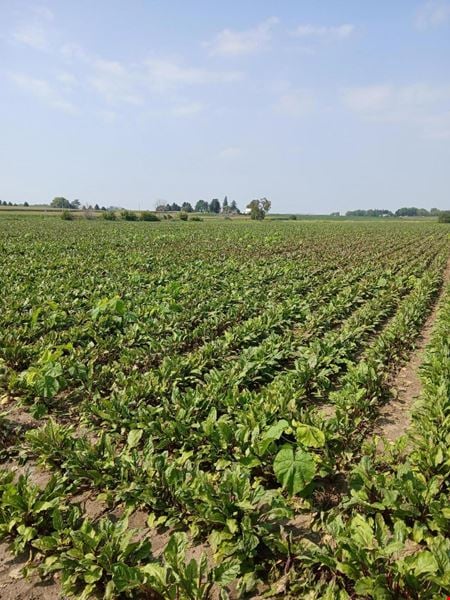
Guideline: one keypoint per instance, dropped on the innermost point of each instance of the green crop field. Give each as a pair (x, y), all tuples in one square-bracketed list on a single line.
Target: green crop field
[(187, 410)]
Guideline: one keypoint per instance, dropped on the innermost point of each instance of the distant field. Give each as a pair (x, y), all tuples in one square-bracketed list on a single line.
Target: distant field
[(42, 210), (212, 388)]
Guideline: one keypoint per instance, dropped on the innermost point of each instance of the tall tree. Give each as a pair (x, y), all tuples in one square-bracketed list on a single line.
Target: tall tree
[(202, 206), (259, 208), (187, 207), (214, 206), (234, 207), (60, 202)]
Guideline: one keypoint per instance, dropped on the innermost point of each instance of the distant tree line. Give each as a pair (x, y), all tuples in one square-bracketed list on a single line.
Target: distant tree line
[(61, 202), (417, 212), (202, 206), (371, 212), (401, 212)]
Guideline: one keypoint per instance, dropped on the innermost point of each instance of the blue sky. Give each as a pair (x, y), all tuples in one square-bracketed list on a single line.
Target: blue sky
[(318, 105)]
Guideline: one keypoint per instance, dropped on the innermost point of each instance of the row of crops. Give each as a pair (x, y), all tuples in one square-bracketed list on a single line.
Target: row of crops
[(200, 400)]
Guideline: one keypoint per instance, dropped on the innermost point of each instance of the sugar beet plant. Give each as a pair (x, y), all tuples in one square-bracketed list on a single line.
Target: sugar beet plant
[(221, 381)]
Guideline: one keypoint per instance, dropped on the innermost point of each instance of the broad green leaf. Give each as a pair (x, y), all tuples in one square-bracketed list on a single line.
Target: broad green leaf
[(134, 437), (94, 574), (425, 563), (310, 436), (175, 548), (156, 575), (226, 572), (126, 578), (362, 532), (294, 468), (275, 431), (373, 587)]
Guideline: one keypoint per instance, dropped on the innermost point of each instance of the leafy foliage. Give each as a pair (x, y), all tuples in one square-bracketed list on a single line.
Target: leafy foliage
[(221, 380)]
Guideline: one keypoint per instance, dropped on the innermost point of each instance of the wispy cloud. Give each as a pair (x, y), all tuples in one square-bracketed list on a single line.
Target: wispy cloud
[(421, 105), (67, 79), (164, 74), (238, 43), (230, 153), (43, 12), (33, 30), (108, 116), (295, 103), (44, 91), (73, 52), (175, 108), (433, 13), (132, 84), (187, 109), (115, 82), (337, 32), (367, 99), (437, 127), (32, 35)]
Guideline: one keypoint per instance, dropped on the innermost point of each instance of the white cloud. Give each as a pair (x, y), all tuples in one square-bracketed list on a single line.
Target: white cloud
[(33, 32), (437, 127), (115, 82), (73, 51), (188, 109), (295, 103), (131, 84), (67, 79), (164, 74), (134, 83), (238, 43), (338, 32), (390, 98), (432, 14), (43, 12), (230, 153), (32, 35), (367, 98), (421, 94), (108, 116), (420, 105), (44, 91)]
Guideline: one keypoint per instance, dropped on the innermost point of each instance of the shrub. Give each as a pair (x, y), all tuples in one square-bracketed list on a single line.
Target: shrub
[(66, 215), (196, 219), (444, 217), (183, 216), (146, 215), (129, 215), (109, 215), (293, 217)]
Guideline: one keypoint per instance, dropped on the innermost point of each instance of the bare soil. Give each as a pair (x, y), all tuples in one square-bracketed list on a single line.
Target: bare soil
[(13, 586), (395, 416)]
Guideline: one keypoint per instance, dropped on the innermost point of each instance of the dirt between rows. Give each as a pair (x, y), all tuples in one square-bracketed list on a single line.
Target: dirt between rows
[(14, 587), (394, 417)]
